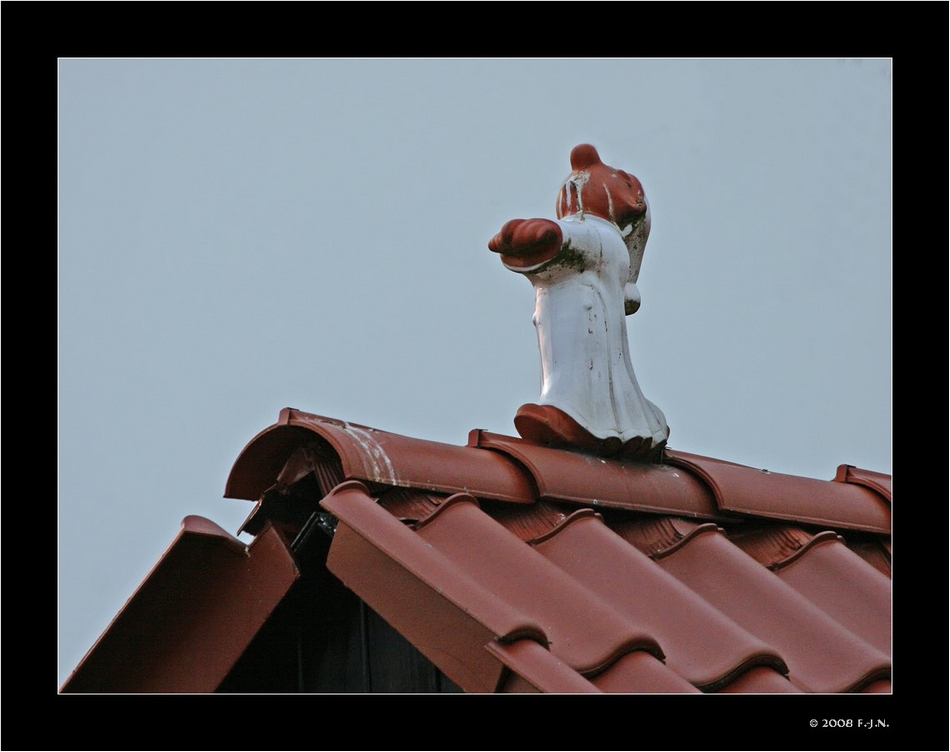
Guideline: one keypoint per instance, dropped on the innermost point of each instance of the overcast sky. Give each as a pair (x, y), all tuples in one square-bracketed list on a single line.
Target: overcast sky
[(241, 235)]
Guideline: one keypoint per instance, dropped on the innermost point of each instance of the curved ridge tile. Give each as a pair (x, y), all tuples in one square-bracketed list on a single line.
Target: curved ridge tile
[(263, 457), (563, 475), (377, 457), (821, 654), (517, 574), (318, 458), (425, 596), (880, 482), (844, 586), (745, 490), (701, 644), (309, 473)]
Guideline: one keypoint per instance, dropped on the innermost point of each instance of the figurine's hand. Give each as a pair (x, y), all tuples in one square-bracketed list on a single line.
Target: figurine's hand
[(527, 242), (631, 298)]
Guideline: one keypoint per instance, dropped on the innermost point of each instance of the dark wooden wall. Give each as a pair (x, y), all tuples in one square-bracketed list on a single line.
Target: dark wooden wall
[(322, 638)]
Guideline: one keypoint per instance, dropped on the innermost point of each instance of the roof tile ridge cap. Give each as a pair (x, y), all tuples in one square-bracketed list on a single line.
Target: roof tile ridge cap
[(687, 463), (518, 450), (357, 437), (675, 456), (696, 467), (312, 420), (843, 474), (705, 528), (518, 629), (315, 422), (291, 415), (349, 429), (824, 537), (510, 445), (479, 438)]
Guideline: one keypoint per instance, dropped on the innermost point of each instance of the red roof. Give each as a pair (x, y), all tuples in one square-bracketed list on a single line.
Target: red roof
[(515, 567)]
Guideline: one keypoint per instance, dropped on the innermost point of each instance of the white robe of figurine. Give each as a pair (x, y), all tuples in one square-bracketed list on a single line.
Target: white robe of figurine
[(582, 333)]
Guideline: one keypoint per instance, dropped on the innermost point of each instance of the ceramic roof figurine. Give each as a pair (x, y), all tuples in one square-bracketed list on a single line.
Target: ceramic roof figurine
[(584, 267)]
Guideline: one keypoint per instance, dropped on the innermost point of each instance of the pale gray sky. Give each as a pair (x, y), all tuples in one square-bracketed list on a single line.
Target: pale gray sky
[(242, 235)]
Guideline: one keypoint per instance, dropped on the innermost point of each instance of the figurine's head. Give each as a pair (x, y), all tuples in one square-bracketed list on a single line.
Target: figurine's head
[(604, 191)]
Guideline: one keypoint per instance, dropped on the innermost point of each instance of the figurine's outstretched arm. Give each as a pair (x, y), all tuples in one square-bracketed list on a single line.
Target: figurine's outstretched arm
[(525, 243)]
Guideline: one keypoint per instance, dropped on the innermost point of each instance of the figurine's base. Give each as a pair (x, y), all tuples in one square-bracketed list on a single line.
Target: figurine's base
[(546, 424)]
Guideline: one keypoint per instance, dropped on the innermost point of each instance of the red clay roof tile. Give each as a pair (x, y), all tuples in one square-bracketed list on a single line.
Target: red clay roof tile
[(760, 680), (877, 553), (639, 672), (535, 669), (880, 482), (448, 616), (879, 686), (822, 656), (378, 458), (690, 574), (724, 622), (187, 624), (771, 544), (844, 586), (517, 574), (746, 490), (700, 643), (601, 481)]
